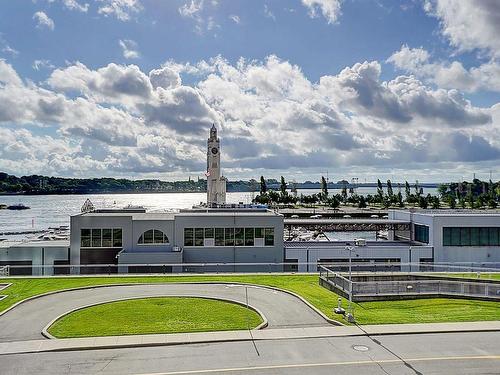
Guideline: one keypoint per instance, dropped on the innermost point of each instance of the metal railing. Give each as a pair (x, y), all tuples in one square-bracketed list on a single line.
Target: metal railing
[(389, 285)]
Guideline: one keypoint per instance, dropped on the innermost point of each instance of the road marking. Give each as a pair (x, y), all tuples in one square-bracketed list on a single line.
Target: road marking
[(325, 364)]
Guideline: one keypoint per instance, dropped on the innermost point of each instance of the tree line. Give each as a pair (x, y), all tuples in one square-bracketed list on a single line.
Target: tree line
[(478, 194)]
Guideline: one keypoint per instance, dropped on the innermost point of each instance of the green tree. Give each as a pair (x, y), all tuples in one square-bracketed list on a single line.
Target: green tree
[(380, 190), (324, 188), (263, 186), (407, 190), (283, 186), (390, 193), (362, 202), (422, 202), (450, 199), (400, 200)]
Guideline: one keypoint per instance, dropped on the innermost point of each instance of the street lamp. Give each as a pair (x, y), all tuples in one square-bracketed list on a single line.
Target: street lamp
[(350, 316)]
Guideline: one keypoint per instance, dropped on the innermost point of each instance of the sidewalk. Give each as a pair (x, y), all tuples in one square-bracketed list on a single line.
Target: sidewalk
[(96, 343)]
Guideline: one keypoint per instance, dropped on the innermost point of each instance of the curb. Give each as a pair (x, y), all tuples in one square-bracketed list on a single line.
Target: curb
[(262, 325), (331, 321)]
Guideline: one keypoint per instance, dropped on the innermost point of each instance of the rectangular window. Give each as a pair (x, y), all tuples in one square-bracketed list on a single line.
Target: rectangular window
[(493, 236), (209, 232), (422, 233), (239, 236), (269, 237), (446, 236), (198, 237), (249, 233), (219, 236), (229, 236), (474, 236), (85, 238), (464, 236), (259, 232), (117, 238), (483, 236), (455, 236), (107, 240), (96, 238), (188, 237)]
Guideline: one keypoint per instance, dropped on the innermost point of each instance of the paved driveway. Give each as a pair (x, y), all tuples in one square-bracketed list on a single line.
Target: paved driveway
[(26, 321)]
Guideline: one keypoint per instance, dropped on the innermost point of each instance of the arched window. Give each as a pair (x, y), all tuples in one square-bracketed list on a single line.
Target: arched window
[(152, 237)]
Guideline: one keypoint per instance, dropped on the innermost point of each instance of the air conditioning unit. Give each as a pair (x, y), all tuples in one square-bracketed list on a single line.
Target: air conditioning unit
[(176, 249), (360, 242)]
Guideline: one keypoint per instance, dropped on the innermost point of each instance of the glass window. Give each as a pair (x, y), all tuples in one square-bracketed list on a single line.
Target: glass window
[(159, 237), (96, 238), (493, 236), (239, 236), (209, 232), (148, 237), (219, 236), (107, 240), (474, 236), (117, 238), (465, 236), (269, 237), (85, 238), (421, 233), (229, 236), (446, 236), (249, 233), (188, 237), (483, 236), (198, 237), (259, 232), (455, 236)]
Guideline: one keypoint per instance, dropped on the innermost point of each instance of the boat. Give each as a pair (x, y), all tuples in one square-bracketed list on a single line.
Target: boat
[(3, 206), (18, 206)]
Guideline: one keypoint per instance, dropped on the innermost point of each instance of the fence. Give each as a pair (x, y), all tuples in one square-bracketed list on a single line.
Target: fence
[(405, 285), (390, 268)]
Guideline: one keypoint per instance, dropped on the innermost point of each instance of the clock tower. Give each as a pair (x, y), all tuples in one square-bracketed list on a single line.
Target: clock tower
[(216, 184)]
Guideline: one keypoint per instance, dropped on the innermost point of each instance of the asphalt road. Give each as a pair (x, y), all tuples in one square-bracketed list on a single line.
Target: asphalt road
[(26, 321), (449, 353)]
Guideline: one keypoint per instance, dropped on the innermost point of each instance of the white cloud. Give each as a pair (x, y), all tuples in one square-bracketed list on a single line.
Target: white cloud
[(191, 9), (42, 64), (194, 10), (469, 24), (235, 18), (6, 48), (121, 9), (119, 120), (43, 21), (75, 5), (330, 9), (129, 49), (268, 13), (485, 77)]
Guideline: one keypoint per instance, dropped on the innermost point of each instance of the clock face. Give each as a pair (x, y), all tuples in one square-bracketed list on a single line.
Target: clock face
[(214, 150)]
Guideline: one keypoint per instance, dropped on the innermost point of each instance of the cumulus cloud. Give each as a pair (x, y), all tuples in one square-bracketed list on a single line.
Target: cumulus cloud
[(75, 5), (42, 64), (119, 120), (469, 25), (121, 9), (330, 9), (485, 77), (43, 21), (129, 49), (235, 18)]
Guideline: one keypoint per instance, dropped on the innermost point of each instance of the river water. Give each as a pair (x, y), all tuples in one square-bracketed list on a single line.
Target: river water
[(55, 210)]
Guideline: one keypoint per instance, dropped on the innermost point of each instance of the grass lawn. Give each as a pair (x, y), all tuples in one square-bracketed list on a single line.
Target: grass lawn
[(412, 311), (155, 315)]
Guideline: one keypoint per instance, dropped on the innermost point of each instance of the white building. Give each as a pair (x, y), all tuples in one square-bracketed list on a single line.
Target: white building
[(216, 184)]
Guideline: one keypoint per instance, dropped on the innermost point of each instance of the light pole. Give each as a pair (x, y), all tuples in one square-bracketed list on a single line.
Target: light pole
[(350, 317)]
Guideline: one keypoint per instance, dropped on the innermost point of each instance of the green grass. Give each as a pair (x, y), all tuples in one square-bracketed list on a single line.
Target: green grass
[(411, 311), (155, 315), (473, 275)]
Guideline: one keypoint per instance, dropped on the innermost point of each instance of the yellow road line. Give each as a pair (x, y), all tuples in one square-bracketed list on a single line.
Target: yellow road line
[(326, 364)]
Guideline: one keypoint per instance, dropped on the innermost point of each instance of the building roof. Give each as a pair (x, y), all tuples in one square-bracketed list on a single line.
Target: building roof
[(33, 243), (455, 212)]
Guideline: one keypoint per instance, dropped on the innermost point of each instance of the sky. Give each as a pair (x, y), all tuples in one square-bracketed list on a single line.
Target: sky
[(367, 89)]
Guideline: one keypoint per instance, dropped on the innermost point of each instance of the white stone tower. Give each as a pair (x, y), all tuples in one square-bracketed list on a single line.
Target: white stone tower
[(216, 184)]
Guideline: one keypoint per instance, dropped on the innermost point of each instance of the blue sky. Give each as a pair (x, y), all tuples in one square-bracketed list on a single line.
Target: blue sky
[(362, 88)]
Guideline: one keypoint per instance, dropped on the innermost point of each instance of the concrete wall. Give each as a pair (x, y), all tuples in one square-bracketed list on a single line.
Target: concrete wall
[(37, 255)]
